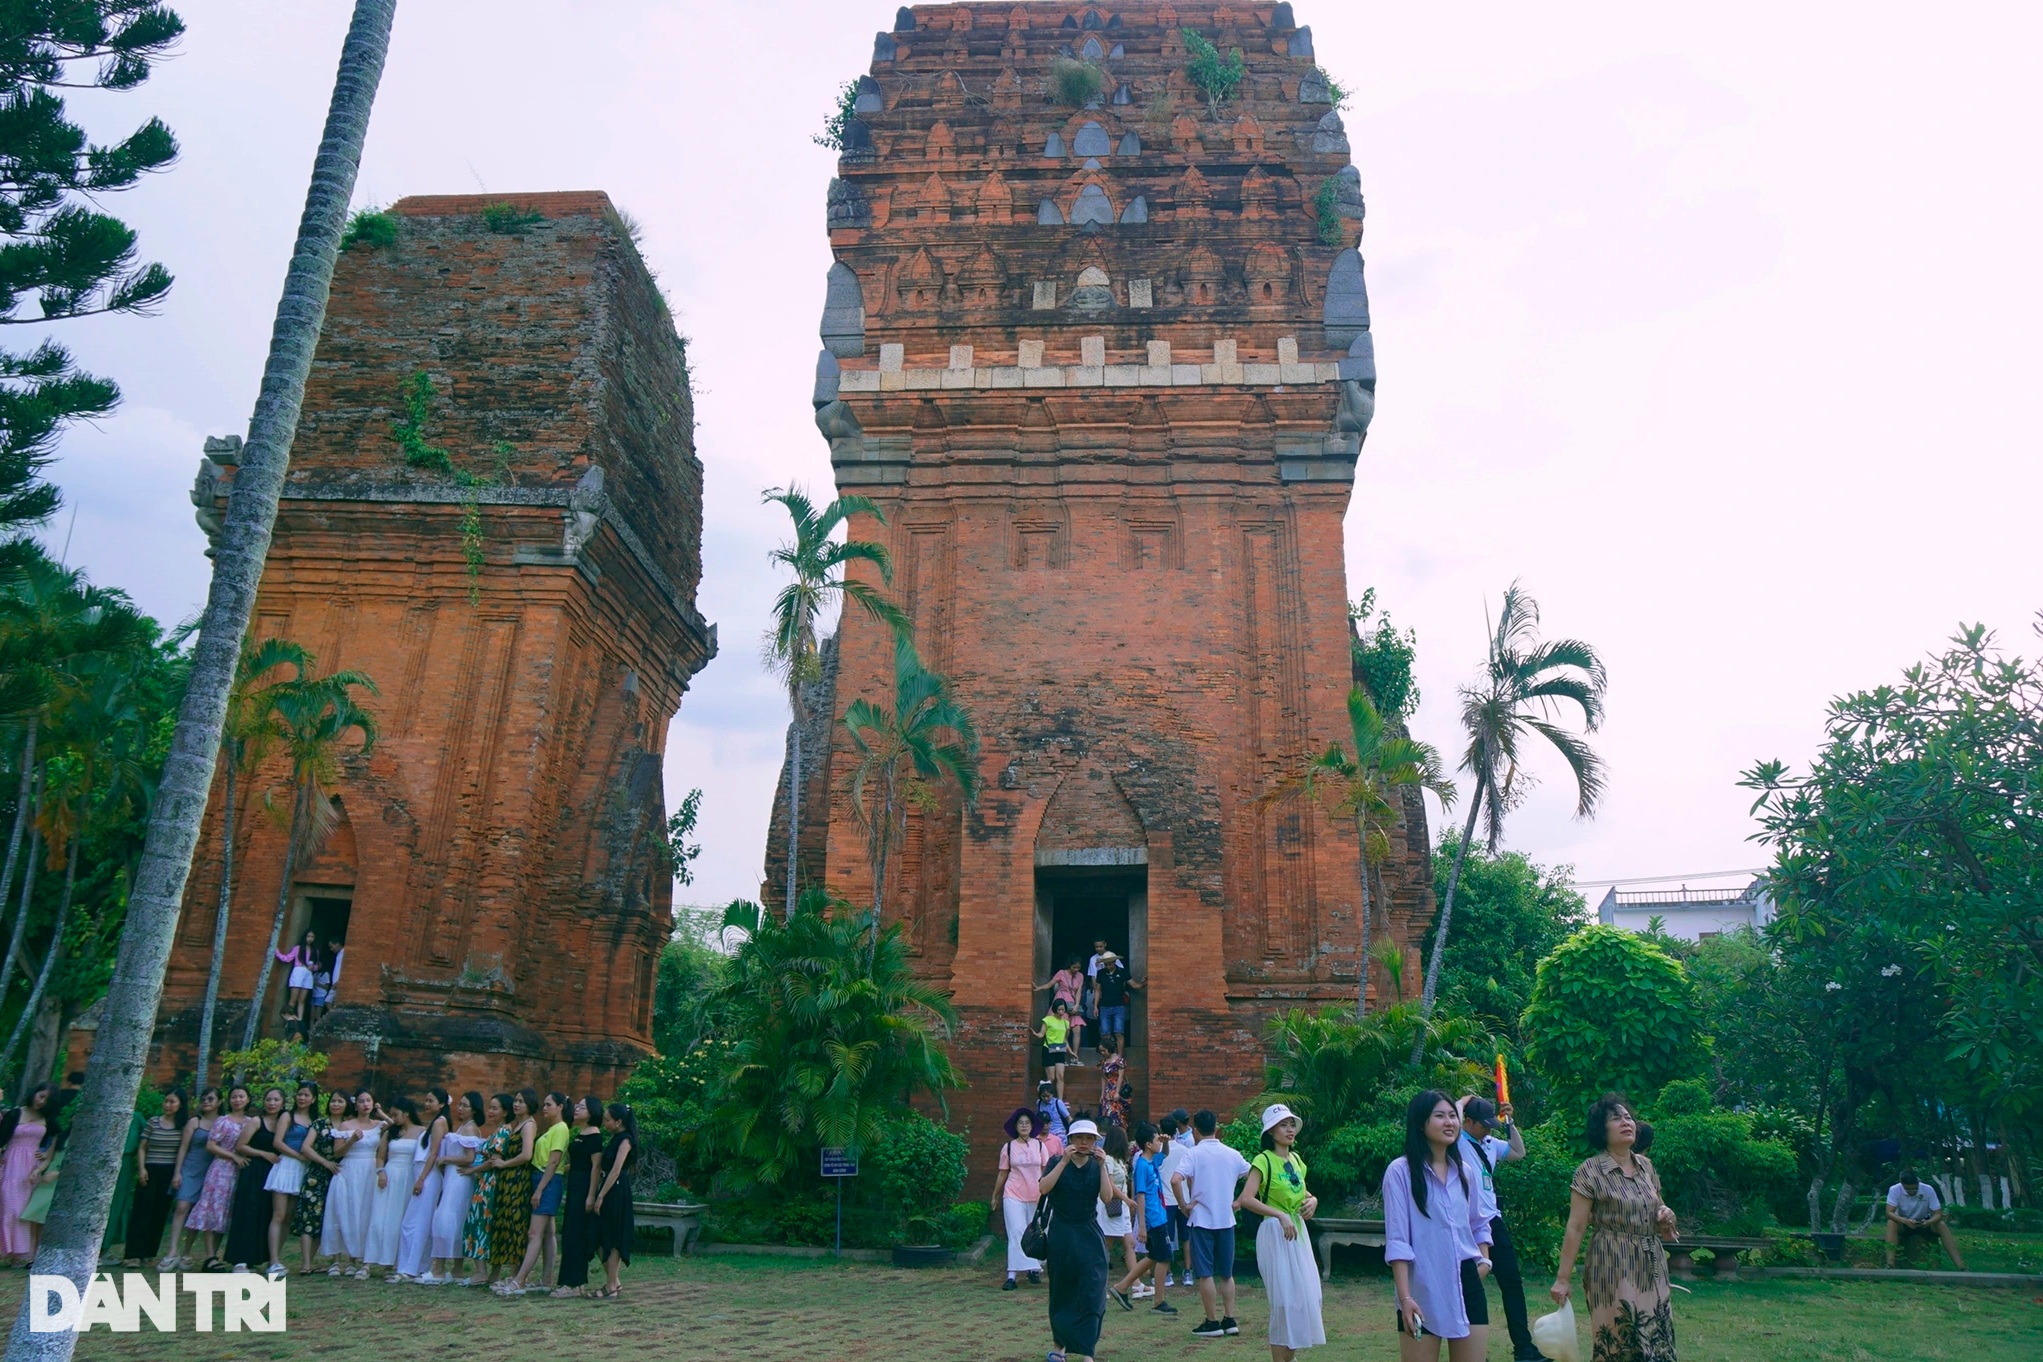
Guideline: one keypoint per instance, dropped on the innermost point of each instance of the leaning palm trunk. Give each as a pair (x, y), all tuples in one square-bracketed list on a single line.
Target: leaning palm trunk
[(794, 795), (269, 955), (219, 936), (14, 937), (23, 797), (77, 1223), (42, 979), (1362, 989), (1432, 988)]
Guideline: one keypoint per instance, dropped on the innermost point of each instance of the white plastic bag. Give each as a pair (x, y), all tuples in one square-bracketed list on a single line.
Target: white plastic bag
[(1554, 1335)]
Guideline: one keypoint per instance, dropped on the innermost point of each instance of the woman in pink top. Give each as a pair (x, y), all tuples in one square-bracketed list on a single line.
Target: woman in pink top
[(303, 962), (21, 1137), (1017, 1189)]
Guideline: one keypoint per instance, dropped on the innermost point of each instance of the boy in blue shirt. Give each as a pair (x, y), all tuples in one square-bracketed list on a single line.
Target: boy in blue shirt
[(1152, 1220)]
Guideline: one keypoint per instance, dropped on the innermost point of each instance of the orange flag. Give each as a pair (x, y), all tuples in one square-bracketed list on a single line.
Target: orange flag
[(1503, 1082)]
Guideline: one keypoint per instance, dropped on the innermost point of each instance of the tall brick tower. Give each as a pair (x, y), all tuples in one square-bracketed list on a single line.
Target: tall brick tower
[(527, 609), (1105, 365)]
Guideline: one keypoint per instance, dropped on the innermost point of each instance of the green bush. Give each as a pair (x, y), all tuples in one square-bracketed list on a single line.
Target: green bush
[(916, 1171), (1076, 83), (1718, 1177), (1349, 1162), (1611, 1010), (507, 219), (371, 227), (273, 1063), (1683, 1097), (1216, 76), (666, 1093), (1534, 1190)]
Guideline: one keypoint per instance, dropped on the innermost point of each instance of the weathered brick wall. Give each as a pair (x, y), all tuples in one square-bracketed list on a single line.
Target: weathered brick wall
[(500, 844), (1108, 382)]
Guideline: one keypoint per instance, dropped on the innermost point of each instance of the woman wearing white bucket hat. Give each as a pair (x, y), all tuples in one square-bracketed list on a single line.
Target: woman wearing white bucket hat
[(1076, 1186), (1275, 1190)]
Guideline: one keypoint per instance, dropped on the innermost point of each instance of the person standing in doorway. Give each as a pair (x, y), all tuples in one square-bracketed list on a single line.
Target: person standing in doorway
[(1111, 986), (1090, 1002), (1482, 1124), (1113, 1083), (1055, 1031), (1205, 1191)]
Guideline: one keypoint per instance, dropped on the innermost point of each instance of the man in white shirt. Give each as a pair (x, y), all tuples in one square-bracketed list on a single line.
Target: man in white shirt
[(1483, 1152), (1205, 1191), (1913, 1208)]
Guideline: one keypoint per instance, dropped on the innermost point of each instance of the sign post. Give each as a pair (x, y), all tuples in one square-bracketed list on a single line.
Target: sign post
[(839, 1164)]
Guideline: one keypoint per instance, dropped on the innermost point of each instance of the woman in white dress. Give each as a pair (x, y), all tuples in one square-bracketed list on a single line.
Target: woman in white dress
[(351, 1199), (1275, 1190), (394, 1162), (422, 1198), (457, 1185)]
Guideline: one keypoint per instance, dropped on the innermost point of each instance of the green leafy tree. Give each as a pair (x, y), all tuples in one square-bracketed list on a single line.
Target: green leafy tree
[(838, 122), (1510, 914), (61, 255), (1366, 785), (829, 1039), (1611, 1011), (245, 741), (909, 754), (1920, 815), (77, 1223), (1335, 1067), (1216, 76), (818, 561), (276, 1062), (311, 720), (1384, 657), (1524, 683)]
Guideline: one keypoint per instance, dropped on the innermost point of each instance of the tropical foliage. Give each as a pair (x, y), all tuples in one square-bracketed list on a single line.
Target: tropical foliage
[(819, 564), (831, 1032), (1525, 682), (1510, 913), (1612, 1011), (1216, 76)]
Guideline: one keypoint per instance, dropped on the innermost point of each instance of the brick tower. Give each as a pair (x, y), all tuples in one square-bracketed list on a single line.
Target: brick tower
[(1105, 365), (527, 610)]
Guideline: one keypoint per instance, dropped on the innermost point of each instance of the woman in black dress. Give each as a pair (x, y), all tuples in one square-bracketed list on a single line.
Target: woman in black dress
[(248, 1222), (578, 1229), (610, 1200), (1076, 1186)]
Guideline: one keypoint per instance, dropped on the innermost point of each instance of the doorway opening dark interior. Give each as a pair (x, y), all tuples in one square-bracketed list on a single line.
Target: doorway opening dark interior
[(1077, 907)]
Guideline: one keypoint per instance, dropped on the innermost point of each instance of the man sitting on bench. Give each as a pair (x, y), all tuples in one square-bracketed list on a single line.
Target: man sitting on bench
[(1913, 1209)]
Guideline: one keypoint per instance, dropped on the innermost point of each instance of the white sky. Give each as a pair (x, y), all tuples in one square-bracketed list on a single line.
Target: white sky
[(1708, 323)]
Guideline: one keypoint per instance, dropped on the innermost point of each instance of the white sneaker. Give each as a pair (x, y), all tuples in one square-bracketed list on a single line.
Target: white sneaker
[(1141, 1292), (1169, 1279)]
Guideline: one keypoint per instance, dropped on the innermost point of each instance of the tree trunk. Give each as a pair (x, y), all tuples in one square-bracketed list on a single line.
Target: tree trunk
[(23, 798), (299, 816), (35, 856), (20, 913), (1362, 988), (1475, 807), (77, 1222), (42, 978), (794, 800), (212, 1003)]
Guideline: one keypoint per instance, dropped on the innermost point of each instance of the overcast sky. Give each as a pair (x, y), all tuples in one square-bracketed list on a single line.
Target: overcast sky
[(1716, 326)]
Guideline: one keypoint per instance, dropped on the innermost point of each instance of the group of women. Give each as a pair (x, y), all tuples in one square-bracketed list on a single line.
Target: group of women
[(470, 1191)]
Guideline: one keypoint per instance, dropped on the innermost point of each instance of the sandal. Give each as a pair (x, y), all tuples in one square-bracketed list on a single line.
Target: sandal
[(564, 1293)]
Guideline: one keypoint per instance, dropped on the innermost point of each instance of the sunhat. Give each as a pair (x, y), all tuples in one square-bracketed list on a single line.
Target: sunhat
[(1082, 1128), (1276, 1112)]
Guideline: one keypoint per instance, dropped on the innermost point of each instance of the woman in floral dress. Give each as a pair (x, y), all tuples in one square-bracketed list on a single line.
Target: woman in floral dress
[(497, 1134), (1113, 1081), (1625, 1274), (210, 1213), (322, 1161), (510, 1218)]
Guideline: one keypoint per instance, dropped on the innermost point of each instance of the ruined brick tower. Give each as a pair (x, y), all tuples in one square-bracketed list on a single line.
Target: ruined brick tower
[(527, 610), (1105, 365)]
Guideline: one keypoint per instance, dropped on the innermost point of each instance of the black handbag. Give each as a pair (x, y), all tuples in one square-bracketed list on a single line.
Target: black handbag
[(1035, 1240)]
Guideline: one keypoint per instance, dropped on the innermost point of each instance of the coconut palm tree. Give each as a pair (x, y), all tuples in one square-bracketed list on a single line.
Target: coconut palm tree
[(311, 719), (1365, 785), (818, 561), (245, 739), (77, 1223), (907, 754), (1523, 686)]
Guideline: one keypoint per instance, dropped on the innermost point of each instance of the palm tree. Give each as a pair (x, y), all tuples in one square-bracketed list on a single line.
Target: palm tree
[(818, 562), (831, 1036), (1523, 684), (77, 1223), (311, 719), (54, 624), (1365, 786), (245, 739), (905, 754)]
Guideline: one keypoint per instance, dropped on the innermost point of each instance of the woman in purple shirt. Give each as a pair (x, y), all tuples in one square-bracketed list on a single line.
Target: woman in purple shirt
[(1436, 1239)]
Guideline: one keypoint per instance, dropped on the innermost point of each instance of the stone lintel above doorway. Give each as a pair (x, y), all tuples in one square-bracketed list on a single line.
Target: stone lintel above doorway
[(1085, 857)]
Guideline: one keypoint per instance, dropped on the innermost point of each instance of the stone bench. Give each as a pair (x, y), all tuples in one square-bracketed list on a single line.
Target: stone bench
[(1726, 1247), (683, 1218), (1331, 1230)]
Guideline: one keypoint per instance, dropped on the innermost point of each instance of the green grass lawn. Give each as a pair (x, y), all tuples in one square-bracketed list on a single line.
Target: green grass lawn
[(818, 1311)]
